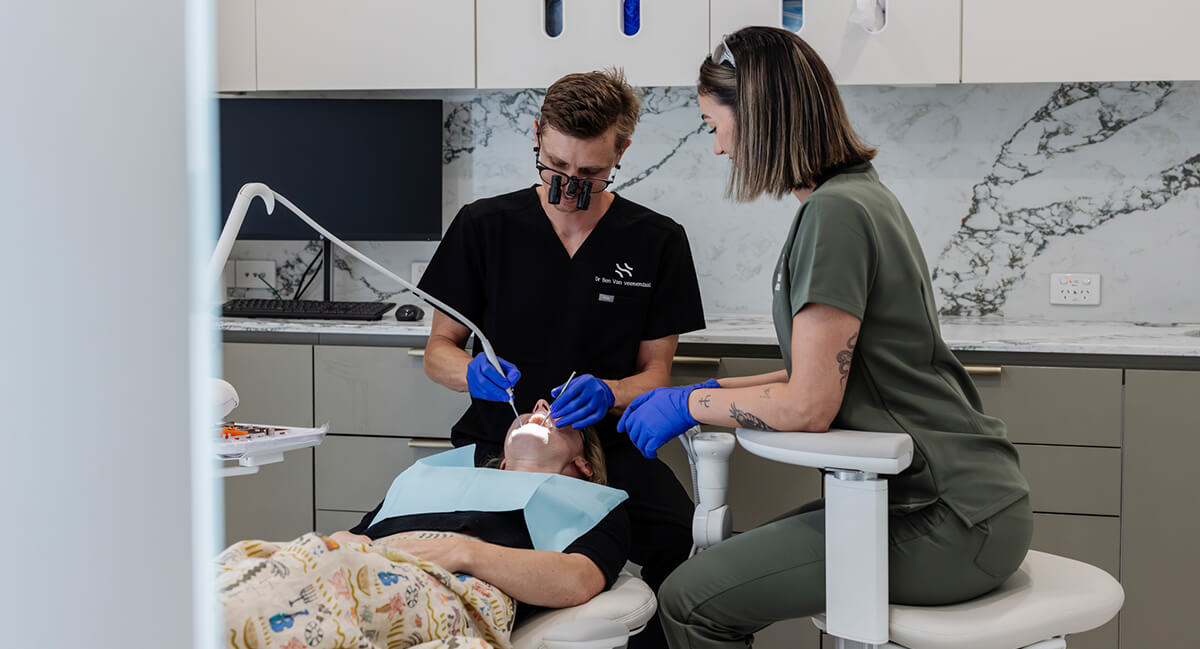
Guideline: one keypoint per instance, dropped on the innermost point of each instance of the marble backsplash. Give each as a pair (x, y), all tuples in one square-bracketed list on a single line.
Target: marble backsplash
[(1005, 184)]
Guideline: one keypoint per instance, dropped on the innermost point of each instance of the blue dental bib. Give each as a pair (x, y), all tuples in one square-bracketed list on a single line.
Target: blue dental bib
[(557, 509)]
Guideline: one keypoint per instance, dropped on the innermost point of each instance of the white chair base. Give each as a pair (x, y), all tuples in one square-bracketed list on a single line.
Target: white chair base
[(629, 604), (1044, 602), (842, 643)]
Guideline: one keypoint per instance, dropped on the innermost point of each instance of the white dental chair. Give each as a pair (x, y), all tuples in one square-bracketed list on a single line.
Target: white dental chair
[(1048, 598), (604, 622)]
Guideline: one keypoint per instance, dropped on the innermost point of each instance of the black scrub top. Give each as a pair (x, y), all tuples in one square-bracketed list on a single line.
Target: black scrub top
[(606, 544), (502, 265)]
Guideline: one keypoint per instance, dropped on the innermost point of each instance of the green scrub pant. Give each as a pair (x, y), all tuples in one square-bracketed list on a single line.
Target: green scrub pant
[(722, 596)]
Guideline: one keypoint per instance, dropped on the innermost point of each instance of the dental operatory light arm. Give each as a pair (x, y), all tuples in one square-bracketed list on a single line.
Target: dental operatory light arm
[(237, 214)]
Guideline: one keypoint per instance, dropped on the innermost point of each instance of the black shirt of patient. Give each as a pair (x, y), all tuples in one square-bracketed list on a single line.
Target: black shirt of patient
[(606, 544), (502, 265)]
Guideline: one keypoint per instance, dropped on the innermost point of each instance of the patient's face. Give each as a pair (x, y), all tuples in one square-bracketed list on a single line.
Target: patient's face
[(534, 443)]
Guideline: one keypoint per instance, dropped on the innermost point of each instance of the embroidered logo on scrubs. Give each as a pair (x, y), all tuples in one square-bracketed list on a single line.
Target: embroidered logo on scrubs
[(624, 270)]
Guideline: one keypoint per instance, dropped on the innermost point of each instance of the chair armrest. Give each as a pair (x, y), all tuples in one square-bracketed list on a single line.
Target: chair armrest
[(856, 525), (848, 450)]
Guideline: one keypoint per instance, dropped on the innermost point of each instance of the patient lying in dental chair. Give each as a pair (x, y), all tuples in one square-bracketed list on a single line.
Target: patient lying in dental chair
[(447, 559)]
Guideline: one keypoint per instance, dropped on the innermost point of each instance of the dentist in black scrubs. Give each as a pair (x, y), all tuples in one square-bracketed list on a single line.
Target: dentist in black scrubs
[(564, 277)]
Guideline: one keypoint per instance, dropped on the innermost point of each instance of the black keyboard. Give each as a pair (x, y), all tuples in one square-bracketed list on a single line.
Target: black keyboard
[(308, 309)]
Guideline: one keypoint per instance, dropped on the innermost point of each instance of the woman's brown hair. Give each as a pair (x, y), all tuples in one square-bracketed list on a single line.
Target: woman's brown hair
[(792, 129)]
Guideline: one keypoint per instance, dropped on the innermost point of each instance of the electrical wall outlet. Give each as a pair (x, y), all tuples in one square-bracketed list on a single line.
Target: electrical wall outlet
[(247, 274), (418, 269), (1075, 289)]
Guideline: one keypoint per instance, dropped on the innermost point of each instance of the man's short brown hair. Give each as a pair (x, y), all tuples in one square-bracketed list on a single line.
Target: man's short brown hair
[(587, 104)]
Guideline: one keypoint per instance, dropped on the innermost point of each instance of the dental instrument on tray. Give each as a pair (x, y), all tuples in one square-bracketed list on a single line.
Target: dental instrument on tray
[(237, 213)]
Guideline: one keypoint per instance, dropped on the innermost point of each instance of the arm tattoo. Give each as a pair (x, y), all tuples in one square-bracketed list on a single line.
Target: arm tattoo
[(766, 393), (704, 400), (844, 357), (746, 419)]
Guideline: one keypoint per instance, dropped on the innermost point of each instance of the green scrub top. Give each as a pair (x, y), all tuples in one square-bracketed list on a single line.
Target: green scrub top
[(852, 247)]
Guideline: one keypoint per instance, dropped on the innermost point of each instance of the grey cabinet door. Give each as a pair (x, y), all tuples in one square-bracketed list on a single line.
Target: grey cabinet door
[(1091, 539), (329, 521), (382, 391), (1055, 405), (1160, 520), (1072, 479), (274, 385), (354, 473)]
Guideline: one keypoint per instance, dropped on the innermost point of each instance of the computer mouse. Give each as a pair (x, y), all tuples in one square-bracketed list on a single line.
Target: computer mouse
[(409, 313)]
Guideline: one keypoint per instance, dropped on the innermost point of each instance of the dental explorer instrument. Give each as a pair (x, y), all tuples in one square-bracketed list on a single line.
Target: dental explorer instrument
[(564, 388), (237, 213)]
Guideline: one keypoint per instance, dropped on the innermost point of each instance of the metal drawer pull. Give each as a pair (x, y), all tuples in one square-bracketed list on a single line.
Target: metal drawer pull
[(984, 370), (419, 352), (430, 443), (695, 360)]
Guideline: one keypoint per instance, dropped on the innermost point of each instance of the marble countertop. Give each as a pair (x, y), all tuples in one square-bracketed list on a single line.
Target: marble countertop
[(990, 335)]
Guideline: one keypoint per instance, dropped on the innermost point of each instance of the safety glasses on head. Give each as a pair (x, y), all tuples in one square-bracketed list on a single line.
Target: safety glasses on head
[(722, 54), (577, 187)]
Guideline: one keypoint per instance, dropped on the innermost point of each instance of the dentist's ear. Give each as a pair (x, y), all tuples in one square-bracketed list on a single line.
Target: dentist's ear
[(621, 153)]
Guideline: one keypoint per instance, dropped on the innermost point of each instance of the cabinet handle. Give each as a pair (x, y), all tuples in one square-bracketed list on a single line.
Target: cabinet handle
[(696, 360), (419, 352), (984, 370), (430, 443)]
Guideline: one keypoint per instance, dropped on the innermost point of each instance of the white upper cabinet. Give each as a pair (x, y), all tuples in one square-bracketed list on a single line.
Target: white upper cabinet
[(365, 44), (910, 42), (235, 46), (1080, 40), (516, 49)]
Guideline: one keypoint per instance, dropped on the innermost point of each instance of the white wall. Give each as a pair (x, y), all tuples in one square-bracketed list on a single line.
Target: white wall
[(95, 490)]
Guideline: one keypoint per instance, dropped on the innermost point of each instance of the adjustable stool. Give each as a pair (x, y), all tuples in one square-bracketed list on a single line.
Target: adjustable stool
[(1048, 598)]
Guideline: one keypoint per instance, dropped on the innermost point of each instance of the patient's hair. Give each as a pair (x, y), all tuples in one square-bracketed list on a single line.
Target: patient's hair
[(593, 452)]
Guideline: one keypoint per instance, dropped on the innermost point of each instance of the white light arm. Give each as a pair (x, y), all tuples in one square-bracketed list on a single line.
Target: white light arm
[(233, 224), (237, 214)]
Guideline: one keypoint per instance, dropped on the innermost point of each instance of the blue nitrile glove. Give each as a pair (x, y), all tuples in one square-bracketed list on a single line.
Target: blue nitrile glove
[(584, 403), (660, 415), (484, 382)]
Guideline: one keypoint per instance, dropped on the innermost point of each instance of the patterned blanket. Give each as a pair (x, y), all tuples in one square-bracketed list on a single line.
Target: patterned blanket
[(312, 593)]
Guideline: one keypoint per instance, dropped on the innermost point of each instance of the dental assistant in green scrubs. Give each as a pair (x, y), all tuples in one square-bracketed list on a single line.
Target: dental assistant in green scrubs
[(858, 330)]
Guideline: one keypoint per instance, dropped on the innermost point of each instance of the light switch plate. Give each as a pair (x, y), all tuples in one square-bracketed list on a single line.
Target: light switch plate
[(1075, 289), (246, 274)]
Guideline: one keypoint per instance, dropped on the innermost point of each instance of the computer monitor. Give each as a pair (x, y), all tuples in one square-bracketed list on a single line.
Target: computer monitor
[(366, 169)]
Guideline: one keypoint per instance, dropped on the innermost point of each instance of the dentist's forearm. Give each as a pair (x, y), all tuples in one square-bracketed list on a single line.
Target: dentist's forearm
[(446, 363), (627, 389)]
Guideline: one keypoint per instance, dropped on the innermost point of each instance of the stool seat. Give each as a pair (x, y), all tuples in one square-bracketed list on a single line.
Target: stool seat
[(1048, 596)]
